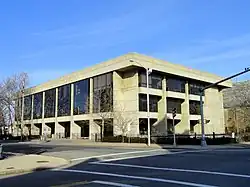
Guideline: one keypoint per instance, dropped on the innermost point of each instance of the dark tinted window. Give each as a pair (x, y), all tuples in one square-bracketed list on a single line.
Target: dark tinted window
[(175, 85), (154, 80), (81, 97), (174, 103), (143, 102), (18, 109), (108, 128), (64, 100), (27, 107), (194, 107), (143, 125), (38, 106), (103, 93), (194, 87), (153, 103), (50, 103)]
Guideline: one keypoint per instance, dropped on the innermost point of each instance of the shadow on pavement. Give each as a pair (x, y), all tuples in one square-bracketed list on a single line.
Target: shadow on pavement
[(12, 149), (214, 162), (45, 177)]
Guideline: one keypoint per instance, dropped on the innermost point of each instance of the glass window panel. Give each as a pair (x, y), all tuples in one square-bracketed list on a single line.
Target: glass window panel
[(153, 103), (154, 80), (194, 107), (103, 93), (64, 100), (176, 85), (38, 106), (18, 109), (194, 88), (143, 102), (108, 128), (81, 97), (174, 103), (50, 103), (27, 107)]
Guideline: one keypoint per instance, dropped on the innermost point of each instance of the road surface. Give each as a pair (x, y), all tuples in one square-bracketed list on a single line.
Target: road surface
[(159, 167)]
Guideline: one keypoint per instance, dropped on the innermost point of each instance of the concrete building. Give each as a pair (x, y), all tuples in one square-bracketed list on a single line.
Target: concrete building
[(58, 107)]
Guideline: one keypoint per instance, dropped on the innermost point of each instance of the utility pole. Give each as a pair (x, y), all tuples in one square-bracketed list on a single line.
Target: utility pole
[(203, 139), (148, 71)]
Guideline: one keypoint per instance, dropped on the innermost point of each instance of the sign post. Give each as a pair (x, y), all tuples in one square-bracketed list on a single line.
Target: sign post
[(174, 114)]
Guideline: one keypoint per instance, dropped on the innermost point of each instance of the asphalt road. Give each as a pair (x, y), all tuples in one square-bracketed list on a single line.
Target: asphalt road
[(203, 168)]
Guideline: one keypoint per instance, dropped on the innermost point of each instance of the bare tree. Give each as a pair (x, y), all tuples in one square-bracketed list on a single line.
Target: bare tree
[(123, 120), (238, 103), (11, 97), (110, 112)]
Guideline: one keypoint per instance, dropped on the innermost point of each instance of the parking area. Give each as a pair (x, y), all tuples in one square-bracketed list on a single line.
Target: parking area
[(159, 167)]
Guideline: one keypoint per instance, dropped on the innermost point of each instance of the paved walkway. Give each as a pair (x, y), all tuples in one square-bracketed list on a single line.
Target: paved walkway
[(88, 143), (29, 163)]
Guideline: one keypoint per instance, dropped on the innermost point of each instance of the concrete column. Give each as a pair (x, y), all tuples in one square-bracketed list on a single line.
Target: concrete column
[(32, 107), (72, 124), (213, 111), (75, 130), (91, 122), (43, 112), (57, 125), (184, 126), (43, 105), (22, 113), (160, 128)]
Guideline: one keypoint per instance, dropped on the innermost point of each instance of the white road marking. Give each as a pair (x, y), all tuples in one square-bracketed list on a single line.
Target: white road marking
[(135, 177), (115, 154), (113, 184), (141, 156), (174, 169), (129, 157), (189, 151)]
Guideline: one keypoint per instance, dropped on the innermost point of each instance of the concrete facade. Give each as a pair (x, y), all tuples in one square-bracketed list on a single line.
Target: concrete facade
[(125, 72)]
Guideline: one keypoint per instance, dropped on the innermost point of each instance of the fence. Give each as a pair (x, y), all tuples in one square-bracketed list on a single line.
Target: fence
[(212, 139)]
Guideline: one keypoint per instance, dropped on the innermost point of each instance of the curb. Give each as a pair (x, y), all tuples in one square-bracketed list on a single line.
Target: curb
[(20, 171), (31, 170)]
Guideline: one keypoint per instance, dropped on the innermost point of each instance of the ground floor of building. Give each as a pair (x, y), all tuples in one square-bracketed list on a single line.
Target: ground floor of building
[(91, 128)]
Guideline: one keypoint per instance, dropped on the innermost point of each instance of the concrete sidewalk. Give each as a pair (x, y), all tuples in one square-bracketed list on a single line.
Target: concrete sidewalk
[(88, 143), (29, 163)]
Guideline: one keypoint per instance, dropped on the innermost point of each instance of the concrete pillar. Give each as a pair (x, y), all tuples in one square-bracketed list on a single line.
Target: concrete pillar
[(32, 111), (43, 113), (75, 130), (72, 124), (32, 106), (43, 105), (184, 126), (131, 99), (160, 127), (22, 113), (91, 122), (57, 125), (213, 111)]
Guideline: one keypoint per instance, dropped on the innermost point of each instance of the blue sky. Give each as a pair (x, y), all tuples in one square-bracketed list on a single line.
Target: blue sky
[(50, 38)]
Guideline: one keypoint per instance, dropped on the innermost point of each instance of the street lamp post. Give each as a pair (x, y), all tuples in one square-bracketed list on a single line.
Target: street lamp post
[(203, 139), (148, 71)]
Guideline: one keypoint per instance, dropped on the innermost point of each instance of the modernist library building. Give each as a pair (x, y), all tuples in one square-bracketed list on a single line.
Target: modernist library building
[(87, 102)]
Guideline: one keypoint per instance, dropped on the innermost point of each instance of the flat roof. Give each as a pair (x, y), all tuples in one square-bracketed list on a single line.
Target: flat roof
[(130, 59)]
